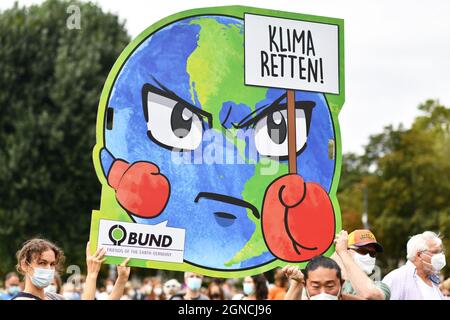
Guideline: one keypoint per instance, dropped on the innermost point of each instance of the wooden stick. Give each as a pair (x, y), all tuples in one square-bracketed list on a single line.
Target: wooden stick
[(292, 137)]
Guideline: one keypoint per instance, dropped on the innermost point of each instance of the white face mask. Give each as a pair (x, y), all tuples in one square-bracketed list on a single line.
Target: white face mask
[(437, 262), (51, 288), (323, 296), (131, 293), (42, 278), (147, 289), (109, 288), (365, 262), (157, 291)]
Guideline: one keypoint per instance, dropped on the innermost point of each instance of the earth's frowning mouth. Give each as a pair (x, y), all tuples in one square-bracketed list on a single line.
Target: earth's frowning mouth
[(227, 199), (225, 215), (224, 219)]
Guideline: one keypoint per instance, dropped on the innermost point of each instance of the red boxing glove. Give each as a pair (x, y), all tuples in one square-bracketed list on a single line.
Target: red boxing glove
[(297, 219), (140, 188)]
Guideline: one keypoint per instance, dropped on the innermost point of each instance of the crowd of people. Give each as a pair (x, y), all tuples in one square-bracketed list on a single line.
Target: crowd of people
[(346, 275)]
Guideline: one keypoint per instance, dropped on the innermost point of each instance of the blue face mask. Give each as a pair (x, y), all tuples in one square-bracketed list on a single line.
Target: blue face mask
[(194, 283), (71, 295), (13, 290), (249, 288), (42, 278)]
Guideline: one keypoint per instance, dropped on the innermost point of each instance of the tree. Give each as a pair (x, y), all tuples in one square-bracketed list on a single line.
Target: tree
[(351, 192), (407, 174), (51, 79)]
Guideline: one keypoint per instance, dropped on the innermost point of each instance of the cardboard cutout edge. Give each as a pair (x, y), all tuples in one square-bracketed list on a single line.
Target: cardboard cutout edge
[(335, 103)]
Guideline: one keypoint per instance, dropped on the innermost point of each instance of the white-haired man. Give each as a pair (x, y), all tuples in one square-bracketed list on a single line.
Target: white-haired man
[(171, 288), (418, 278)]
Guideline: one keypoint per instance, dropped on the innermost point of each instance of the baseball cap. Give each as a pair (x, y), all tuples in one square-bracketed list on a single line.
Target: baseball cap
[(362, 238)]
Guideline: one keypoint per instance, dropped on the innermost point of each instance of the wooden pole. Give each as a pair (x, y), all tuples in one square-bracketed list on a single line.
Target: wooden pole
[(292, 137)]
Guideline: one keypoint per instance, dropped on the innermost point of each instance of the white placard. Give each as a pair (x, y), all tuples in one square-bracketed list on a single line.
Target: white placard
[(141, 241), (291, 54)]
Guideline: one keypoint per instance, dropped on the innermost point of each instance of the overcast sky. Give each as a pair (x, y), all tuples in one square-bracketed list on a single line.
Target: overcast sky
[(397, 53)]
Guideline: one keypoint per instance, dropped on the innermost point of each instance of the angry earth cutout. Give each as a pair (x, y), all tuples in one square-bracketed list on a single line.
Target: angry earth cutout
[(183, 144)]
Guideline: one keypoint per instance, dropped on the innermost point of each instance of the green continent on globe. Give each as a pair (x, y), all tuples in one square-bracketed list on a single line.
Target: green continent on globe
[(220, 52)]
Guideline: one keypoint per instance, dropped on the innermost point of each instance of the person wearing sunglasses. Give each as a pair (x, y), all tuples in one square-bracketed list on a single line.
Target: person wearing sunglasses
[(419, 278), (356, 254)]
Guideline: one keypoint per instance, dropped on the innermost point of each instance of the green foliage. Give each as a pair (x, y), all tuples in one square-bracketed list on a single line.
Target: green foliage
[(407, 175), (51, 79)]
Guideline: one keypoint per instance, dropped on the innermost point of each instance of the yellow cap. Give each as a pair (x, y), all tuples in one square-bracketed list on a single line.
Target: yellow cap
[(363, 237)]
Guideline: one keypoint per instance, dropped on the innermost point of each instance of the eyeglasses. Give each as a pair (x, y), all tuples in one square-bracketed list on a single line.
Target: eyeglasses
[(433, 252)]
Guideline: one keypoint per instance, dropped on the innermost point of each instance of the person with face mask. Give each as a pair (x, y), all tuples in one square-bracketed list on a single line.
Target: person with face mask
[(38, 261), (12, 286), (255, 288), (322, 280), (146, 290), (419, 278), (55, 286), (356, 254), (158, 293), (193, 282), (69, 292)]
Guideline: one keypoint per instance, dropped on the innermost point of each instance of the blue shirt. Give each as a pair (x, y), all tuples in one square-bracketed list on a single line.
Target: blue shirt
[(5, 296)]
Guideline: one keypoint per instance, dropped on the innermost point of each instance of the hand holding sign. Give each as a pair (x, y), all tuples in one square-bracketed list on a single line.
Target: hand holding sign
[(123, 272), (95, 261), (297, 219)]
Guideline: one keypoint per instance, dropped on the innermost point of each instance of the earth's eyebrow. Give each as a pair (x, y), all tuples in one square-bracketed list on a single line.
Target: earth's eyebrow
[(165, 92), (275, 105), (266, 109)]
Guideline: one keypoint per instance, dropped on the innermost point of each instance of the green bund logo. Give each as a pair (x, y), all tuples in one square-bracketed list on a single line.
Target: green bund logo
[(117, 234)]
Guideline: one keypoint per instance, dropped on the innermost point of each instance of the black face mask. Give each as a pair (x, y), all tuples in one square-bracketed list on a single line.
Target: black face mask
[(215, 296)]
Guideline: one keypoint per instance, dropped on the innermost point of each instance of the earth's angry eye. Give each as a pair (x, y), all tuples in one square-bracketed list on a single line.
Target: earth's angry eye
[(276, 127), (181, 120)]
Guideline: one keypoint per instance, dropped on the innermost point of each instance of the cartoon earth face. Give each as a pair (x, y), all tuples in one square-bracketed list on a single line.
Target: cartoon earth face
[(189, 76)]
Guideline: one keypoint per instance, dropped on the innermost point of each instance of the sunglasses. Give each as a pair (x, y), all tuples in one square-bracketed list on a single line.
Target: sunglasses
[(365, 251)]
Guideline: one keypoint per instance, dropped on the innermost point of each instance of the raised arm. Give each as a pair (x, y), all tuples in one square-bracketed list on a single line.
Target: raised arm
[(296, 283), (93, 263), (123, 273), (360, 281)]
